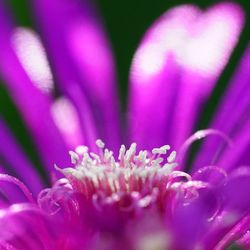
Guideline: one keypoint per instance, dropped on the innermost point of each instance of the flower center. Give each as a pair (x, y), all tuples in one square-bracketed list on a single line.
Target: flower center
[(142, 178)]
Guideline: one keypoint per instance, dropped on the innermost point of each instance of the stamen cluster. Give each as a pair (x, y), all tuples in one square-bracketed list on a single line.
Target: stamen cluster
[(139, 180)]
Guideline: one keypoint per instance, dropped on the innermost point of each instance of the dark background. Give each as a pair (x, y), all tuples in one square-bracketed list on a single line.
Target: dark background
[(125, 22)]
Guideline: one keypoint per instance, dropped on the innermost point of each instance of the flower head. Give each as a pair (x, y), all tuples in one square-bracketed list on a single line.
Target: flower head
[(124, 197)]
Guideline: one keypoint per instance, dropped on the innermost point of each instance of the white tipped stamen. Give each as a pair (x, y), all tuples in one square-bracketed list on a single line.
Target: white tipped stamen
[(172, 157), (107, 155), (112, 162), (95, 157), (74, 157), (157, 161), (100, 144), (142, 157), (102, 172), (165, 147), (162, 150), (81, 150), (122, 152), (130, 153)]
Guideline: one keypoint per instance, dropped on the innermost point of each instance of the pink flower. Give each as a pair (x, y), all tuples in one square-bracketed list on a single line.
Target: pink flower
[(138, 195)]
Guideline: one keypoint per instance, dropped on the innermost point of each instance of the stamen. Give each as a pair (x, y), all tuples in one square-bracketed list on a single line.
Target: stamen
[(100, 144), (141, 173), (18, 184), (95, 156), (81, 150), (130, 153), (162, 150), (74, 157), (172, 157), (122, 152)]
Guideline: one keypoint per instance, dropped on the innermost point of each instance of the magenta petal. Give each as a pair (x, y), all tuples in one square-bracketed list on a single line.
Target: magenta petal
[(235, 205), (233, 119), (154, 79), (33, 104), (82, 63), (13, 191), (238, 155), (26, 227), (176, 68), (190, 221), (239, 234), (20, 166), (67, 121)]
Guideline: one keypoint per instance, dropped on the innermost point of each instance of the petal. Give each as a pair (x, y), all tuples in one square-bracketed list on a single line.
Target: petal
[(233, 119), (191, 220), (67, 121), (13, 191), (19, 166), (175, 69), (154, 78), (27, 92), (235, 205), (238, 155), (26, 227), (82, 64), (239, 233)]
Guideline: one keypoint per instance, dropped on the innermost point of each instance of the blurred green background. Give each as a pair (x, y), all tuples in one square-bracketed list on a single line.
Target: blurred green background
[(125, 22)]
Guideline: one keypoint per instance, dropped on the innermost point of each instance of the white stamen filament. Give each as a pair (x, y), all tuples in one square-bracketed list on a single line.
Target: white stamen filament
[(100, 144), (131, 172), (172, 157)]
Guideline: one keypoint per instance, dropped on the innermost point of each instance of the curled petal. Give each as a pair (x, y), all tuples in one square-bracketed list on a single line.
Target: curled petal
[(201, 134), (211, 174), (19, 184)]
